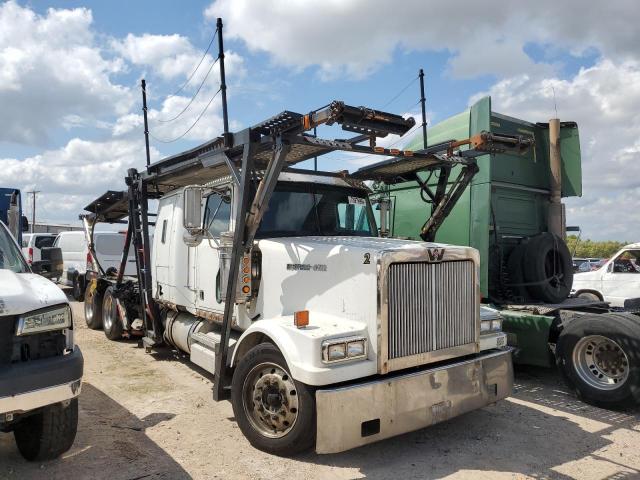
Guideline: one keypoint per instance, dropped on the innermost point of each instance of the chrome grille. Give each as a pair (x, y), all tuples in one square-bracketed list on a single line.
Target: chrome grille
[(432, 306)]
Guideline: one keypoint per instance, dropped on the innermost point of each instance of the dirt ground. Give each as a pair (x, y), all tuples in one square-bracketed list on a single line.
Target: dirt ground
[(151, 416)]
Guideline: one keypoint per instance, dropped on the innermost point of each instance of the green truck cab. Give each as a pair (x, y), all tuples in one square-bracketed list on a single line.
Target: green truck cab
[(525, 271)]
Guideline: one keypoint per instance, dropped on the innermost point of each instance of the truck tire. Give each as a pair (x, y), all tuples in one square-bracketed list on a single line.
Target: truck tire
[(111, 323), (599, 358), (49, 433), (592, 297), (93, 307), (277, 424), (78, 288), (548, 268)]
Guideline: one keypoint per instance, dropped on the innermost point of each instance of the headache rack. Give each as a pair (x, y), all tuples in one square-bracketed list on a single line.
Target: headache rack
[(254, 158)]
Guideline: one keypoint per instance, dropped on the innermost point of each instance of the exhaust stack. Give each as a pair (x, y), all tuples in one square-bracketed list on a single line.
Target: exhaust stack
[(556, 213)]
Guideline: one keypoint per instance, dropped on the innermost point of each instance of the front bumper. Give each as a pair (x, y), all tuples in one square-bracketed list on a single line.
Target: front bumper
[(355, 415), (34, 384)]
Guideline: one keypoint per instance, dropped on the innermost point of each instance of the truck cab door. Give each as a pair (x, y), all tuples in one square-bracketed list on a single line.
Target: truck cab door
[(217, 216), (621, 279)]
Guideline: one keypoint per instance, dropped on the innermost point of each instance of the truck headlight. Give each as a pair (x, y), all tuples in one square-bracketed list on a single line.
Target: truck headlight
[(342, 349), (44, 320), (490, 326)]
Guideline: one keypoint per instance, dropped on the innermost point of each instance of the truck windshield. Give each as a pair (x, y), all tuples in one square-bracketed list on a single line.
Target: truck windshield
[(301, 209), (10, 256)]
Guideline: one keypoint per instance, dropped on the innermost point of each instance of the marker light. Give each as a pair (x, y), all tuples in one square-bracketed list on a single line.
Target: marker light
[(301, 318)]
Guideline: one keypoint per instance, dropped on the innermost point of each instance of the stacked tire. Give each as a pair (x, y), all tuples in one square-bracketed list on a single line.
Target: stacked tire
[(541, 269)]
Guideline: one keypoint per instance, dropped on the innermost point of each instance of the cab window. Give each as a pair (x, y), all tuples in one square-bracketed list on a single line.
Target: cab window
[(627, 262), (217, 214)]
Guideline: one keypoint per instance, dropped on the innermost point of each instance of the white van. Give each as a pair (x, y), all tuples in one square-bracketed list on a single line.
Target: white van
[(33, 243), (617, 280), (75, 254)]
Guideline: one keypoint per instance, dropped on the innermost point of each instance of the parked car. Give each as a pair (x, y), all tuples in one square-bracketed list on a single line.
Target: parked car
[(586, 264), (616, 281), (40, 253), (76, 255), (40, 366)]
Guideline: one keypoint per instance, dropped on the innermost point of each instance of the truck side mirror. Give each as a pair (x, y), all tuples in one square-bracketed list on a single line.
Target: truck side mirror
[(384, 204), (25, 223), (192, 215), (192, 211)]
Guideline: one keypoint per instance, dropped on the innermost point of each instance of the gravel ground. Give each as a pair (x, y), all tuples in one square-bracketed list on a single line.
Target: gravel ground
[(151, 416)]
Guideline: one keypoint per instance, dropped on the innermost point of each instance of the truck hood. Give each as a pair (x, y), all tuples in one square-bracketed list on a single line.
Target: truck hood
[(24, 292), (375, 245)]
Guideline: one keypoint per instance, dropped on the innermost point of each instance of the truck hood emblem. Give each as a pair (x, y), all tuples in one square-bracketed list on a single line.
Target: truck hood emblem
[(435, 254)]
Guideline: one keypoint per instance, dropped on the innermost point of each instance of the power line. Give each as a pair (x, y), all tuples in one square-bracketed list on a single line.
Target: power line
[(399, 93), (192, 125), (213, 37), (192, 98)]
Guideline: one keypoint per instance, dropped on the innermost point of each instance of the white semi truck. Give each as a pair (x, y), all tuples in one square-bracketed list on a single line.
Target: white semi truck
[(276, 280)]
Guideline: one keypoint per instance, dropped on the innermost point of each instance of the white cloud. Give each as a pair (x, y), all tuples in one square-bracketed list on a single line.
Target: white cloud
[(74, 175), (605, 102), (354, 38), (53, 73)]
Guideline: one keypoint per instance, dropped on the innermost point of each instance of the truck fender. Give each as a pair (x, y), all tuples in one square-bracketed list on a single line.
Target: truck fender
[(302, 348)]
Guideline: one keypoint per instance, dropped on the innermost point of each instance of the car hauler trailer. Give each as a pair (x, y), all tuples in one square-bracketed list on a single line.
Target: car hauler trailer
[(511, 213), (275, 280)]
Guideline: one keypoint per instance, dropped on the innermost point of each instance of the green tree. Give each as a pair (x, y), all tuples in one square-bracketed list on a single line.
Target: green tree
[(588, 248)]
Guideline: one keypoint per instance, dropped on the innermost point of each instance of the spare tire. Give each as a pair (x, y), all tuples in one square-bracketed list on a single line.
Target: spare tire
[(547, 268)]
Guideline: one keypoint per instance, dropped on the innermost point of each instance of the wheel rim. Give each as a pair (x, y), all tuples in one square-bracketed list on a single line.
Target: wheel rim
[(601, 362), (107, 313), (270, 400), (88, 306)]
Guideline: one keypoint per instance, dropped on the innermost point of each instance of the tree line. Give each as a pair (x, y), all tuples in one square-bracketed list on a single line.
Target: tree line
[(589, 248)]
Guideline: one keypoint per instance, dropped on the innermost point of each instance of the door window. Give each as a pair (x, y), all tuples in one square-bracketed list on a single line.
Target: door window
[(217, 214), (627, 262)]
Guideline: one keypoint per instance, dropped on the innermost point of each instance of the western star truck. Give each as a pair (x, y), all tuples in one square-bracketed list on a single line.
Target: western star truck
[(40, 366), (274, 279), (510, 210)]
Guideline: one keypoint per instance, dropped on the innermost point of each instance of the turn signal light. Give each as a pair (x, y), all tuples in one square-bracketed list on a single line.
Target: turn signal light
[(246, 289), (378, 149), (301, 318)]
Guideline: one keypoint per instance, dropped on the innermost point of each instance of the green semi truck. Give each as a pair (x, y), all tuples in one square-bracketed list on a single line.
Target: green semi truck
[(510, 209)]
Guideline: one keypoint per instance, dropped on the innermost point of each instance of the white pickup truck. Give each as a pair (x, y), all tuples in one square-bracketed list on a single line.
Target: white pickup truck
[(615, 282), (40, 366)]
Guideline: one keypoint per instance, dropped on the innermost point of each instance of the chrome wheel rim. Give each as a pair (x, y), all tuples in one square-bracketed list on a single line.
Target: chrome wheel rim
[(600, 362), (107, 314), (88, 305), (270, 400)]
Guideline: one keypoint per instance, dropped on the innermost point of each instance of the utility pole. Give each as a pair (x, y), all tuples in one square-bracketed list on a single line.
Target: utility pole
[(33, 214), (423, 102)]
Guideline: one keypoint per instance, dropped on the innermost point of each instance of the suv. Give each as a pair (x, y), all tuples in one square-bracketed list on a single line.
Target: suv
[(76, 256), (40, 366)]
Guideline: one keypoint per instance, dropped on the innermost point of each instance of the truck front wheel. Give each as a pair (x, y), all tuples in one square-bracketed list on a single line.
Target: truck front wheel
[(599, 358), (275, 412), (48, 434)]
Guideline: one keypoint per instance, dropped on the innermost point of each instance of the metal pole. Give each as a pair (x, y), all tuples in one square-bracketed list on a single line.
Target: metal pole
[(223, 84), (146, 124), (33, 212), (424, 112), (315, 159)]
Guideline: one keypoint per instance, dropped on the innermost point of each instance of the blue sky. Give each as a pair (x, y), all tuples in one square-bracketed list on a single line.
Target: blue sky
[(71, 72)]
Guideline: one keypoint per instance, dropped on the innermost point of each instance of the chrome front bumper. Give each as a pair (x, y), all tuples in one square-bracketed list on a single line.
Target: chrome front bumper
[(25, 402), (355, 415)]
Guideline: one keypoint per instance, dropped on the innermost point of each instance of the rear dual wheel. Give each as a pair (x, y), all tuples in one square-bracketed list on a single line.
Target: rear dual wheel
[(275, 412), (599, 357), (111, 323), (93, 306)]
